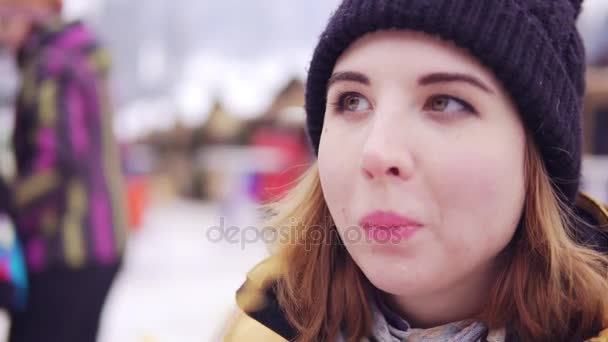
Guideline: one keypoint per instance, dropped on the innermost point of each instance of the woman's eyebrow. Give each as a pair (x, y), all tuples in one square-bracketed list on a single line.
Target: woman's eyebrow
[(443, 77), (348, 76)]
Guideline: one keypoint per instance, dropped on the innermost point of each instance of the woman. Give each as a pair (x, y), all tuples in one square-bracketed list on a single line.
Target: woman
[(444, 202)]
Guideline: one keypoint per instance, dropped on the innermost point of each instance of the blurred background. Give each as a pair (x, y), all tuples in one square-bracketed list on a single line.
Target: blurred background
[(208, 98)]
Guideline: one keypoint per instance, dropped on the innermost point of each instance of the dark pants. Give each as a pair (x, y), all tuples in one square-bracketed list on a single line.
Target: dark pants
[(63, 305)]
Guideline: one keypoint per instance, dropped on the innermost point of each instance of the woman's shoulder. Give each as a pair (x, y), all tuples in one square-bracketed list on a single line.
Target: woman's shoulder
[(260, 317), (594, 214), (593, 207), (602, 337)]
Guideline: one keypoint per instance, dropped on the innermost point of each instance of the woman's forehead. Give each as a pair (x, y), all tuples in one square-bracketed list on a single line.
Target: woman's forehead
[(408, 53)]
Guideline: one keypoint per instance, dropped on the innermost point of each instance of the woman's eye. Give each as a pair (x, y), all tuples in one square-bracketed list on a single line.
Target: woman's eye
[(353, 102), (446, 103)]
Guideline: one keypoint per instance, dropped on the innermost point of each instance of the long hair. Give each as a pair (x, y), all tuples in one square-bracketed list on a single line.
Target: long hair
[(550, 288)]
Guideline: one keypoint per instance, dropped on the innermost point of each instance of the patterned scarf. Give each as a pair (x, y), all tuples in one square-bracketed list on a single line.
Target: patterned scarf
[(389, 327)]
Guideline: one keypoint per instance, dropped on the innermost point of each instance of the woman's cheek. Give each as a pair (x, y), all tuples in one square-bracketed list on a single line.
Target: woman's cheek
[(478, 203)]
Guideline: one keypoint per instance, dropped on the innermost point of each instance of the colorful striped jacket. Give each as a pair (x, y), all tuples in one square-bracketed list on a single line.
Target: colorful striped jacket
[(68, 189)]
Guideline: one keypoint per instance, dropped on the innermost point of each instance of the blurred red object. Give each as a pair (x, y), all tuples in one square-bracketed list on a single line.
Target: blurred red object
[(295, 159), (137, 200)]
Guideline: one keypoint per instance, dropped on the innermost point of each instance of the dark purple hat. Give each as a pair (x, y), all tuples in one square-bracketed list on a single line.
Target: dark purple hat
[(532, 46)]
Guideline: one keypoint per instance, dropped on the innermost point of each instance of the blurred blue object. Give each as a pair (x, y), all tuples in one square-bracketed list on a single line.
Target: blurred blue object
[(13, 275)]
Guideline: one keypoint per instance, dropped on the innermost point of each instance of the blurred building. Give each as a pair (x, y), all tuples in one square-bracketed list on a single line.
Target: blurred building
[(596, 105), (197, 159), (291, 96), (595, 120)]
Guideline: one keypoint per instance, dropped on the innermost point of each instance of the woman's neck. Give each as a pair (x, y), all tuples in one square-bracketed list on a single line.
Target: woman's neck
[(463, 301)]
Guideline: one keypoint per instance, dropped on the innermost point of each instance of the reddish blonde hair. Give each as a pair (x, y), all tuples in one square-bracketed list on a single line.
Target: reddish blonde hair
[(550, 287)]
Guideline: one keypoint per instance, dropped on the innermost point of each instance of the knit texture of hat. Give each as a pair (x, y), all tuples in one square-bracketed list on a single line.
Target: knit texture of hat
[(532, 46)]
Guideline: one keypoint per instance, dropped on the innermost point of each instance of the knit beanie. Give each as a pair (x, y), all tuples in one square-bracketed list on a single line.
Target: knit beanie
[(532, 46)]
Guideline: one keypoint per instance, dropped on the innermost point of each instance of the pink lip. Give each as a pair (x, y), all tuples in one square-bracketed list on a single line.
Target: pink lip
[(386, 226)]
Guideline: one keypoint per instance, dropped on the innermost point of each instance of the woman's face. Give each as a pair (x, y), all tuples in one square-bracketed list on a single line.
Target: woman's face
[(421, 163), (13, 29), (18, 16)]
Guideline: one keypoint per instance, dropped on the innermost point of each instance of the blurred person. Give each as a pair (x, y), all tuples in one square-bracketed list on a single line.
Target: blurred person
[(68, 199), (444, 203)]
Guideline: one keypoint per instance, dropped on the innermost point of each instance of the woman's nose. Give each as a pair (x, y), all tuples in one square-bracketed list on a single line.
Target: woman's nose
[(383, 157)]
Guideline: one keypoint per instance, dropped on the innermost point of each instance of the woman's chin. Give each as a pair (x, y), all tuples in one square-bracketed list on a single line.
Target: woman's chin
[(390, 279)]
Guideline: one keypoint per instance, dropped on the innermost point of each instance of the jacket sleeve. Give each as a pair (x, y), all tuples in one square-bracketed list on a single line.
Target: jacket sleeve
[(260, 317), (602, 337), (245, 328), (65, 133), (5, 197), (43, 177)]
